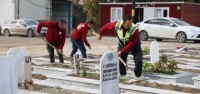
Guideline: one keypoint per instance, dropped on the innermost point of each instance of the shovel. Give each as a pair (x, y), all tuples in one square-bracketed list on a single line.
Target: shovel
[(129, 69), (57, 50)]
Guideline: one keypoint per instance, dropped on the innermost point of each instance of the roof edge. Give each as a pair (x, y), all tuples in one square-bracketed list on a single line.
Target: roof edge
[(142, 3)]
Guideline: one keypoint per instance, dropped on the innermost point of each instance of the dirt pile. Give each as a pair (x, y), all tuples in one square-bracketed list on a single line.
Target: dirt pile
[(39, 76), (96, 77), (168, 87), (52, 90)]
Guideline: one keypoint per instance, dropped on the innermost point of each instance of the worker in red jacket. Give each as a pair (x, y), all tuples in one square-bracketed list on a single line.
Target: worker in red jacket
[(129, 41), (79, 36), (56, 36)]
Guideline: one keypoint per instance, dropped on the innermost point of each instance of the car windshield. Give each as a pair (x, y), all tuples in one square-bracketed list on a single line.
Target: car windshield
[(180, 22), (31, 22)]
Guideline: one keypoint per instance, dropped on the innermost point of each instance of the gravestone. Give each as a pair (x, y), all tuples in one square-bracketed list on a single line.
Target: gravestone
[(8, 75), (19, 53), (28, 69), (76, 64), (109, 74), (154, 52)]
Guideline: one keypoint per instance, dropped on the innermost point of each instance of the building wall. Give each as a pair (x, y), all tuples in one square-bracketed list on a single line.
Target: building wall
[(33, 9), (191, 14), (106, 9), (63, 11), (7, 10)]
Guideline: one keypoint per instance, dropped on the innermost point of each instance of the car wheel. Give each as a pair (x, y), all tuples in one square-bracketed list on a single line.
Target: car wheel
[(159, 39), (144, 36), (181, 37), (196, 41), (30, 33), (6, 33)]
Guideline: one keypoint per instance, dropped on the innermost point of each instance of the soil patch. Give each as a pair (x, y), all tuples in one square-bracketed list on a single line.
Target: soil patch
[(56, 57), (168, 87), (57, 65), (39, 76), (181, 63), (88, 76), (193, 48), (189, 70), (155, 85), (52, 90), (189, 57)]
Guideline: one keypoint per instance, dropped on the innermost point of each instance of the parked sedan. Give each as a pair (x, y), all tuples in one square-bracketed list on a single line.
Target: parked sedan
[(24, 27), (168, 28)]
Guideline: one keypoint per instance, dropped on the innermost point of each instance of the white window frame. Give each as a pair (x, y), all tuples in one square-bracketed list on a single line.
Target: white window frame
[(117, 8), (162, 10)]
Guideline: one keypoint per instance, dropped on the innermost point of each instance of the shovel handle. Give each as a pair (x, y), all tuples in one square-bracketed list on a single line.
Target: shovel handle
[(116, 53), (56, 49)]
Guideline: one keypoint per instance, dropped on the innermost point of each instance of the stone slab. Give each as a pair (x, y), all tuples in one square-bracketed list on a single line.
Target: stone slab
[(51, 70), (181, 77), (196, 80), (19, 53), (47, 60), (95, 84), (8, 75), (21, 91), (83, 89)]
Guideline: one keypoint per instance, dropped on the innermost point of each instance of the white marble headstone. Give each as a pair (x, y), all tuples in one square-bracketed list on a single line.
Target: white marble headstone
[(109, 74), (19, 53), (154, 52), (8, 75)]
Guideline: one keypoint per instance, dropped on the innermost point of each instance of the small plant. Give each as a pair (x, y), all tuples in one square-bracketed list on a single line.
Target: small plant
[(83, 71), (93, 74), (121, 80), (148, 66), (162, 66), (146, 51), (57, 87)]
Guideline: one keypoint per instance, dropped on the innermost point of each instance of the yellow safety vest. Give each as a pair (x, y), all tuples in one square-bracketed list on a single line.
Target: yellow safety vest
[(124, 40)]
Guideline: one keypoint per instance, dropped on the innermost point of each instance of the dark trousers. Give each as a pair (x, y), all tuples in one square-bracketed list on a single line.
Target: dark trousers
[(137, 54), (51, 52), (78, 45)]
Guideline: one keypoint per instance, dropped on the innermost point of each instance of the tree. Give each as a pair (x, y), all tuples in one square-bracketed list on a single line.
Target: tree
[(91, 9), (78, 15)]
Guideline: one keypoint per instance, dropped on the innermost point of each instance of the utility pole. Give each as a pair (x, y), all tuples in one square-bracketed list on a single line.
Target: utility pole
[(133, 10), (18, 3)]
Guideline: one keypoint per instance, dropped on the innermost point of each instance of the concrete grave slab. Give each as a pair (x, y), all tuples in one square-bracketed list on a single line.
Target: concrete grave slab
[(47, 60), (181, 77), (21, 91), (196, 80), (51, 70), (95, 84), (69, 87), (19, 53), (8, 75)]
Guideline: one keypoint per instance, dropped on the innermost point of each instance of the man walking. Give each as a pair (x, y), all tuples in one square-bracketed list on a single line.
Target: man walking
[(129, 40), (79, 36), (56, 36)]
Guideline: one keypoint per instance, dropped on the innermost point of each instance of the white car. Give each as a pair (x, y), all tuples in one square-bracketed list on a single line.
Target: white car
[(168, 28)]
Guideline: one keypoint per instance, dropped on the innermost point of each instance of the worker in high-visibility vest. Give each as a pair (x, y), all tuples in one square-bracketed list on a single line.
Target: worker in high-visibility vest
[(129, 41)]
